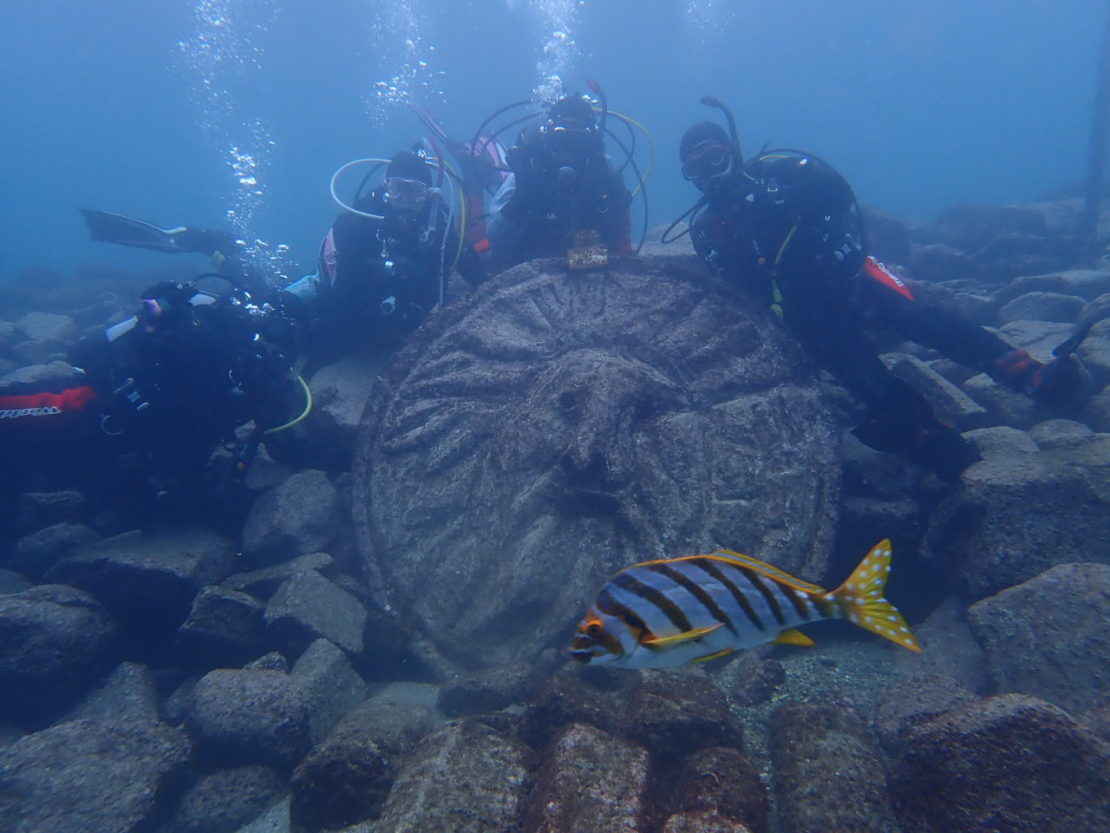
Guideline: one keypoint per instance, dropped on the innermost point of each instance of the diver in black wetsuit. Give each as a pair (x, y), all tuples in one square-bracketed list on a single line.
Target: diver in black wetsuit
[(153, 397), (786, 226), (384, 263), (563, 198)]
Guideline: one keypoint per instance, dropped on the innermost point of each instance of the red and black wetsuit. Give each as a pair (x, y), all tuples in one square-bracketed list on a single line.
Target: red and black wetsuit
[(788, 230)]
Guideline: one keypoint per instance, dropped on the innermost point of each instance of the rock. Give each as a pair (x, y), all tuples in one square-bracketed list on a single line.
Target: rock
[(464, 778), (340, 391), (309, 607), (913, 700), (949, 403), (263, 583), (527, 438), (224, 628), (949, 649), (1059, 433), (594, 696), (828, 771), (1042, 306), (487, 691), (90, 777), (295, 518), (888, 238), (1004, 406), (1002, 441), (1040, 636), (680, 711), (149, 579), (1029, 254), (36, 553), (590, 782), (759, 686), (703, 821), (395, 719), (53, 639), (1019, 515), (1083, 283), (1096, 412), (721, 780), (1010, 763), (970, 227), (344, 780), (1096, 310), (1094, 353), (35, 510), (128, 694), (329, 686), (248, 717), (46, 326), (12, 582), (273, 820), (1038, 337), (273, 661), (938, 262), (224, 800)]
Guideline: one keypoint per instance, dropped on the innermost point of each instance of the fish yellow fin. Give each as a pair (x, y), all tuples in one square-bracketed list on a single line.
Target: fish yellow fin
[(861, 599), (717, 655), (679, 638), (793, 636)]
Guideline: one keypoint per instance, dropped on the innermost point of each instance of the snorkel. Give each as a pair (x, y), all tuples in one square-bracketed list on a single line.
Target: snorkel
[(713, 101), (595, 88)]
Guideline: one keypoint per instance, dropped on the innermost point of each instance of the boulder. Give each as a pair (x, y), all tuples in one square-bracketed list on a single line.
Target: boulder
[(264, 582), (53, 640), (949, 403), (719, 780), (225, 800), (1012, 763), (129, 693), (224, 628), (1042, 306), (248, 717), (464, 778), (340, 391), (1020, 514), (308, 607), (590, 782), (91, 777), (330, 686), (148, 579), (1040, 636), (913, 700), (297, 517), (342, 781), (46, 326), (36, 553), (12, 582), (486, 691), (553, 427), (828, 772)]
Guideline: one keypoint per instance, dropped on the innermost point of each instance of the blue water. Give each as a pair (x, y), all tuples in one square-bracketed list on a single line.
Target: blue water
[(921, 103)]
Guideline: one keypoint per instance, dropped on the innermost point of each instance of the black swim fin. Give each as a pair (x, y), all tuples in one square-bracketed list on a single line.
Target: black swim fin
[(127, 231)]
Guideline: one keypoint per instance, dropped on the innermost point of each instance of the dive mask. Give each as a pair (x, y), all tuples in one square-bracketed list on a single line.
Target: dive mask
[(707, 161), (406, 194)]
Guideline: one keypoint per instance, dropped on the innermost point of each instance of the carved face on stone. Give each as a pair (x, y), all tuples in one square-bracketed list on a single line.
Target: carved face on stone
[(554, 428)]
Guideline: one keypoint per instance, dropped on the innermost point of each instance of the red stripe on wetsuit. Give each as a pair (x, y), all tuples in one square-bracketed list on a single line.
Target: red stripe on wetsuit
[(44, 407), (873, 269)]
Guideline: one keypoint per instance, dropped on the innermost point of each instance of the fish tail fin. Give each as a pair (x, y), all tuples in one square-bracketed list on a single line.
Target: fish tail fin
[(861, 601)]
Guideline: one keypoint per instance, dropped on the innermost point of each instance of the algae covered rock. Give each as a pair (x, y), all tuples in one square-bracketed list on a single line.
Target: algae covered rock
[(553, 427)]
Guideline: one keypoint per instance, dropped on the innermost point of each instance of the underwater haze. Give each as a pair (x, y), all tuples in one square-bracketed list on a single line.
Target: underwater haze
[(235, 113)]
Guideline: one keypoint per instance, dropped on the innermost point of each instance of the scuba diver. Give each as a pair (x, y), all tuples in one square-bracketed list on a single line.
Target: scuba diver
[(384, 263), (563, 197), (153, 397), (786, 227)]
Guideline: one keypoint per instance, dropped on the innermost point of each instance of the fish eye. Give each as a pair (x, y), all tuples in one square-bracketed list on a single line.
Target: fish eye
[(593, 629)]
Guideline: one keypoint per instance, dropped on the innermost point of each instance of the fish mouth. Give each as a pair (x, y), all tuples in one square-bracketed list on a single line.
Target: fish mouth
[(582, 657)]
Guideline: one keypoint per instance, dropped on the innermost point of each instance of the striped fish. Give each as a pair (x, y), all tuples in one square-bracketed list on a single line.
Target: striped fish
[(680, 610)]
